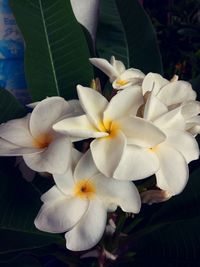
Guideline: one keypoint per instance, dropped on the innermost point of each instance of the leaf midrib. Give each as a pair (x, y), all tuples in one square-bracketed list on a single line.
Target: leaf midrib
[(49, 47)]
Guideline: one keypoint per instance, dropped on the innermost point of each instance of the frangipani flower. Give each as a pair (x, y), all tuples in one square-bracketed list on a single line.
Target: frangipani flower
[(113, 130), (170, 93), (179, 148), (79, 203), (32, 137), (120, 77)]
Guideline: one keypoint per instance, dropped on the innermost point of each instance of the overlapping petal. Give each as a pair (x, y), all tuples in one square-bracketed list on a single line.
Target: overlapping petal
[(46, 113), (87, 233), (124, 104), (9, 149), (79, 127), (61, 215), (184, 142), (93, 103), (54, 159), (128, 77), (17, 132), (136, 163), (154, 108), (106, 67), (176, 92), (122, 193), (173, 173), (153, 82), (140, 132), (82, 171), (107, 153)]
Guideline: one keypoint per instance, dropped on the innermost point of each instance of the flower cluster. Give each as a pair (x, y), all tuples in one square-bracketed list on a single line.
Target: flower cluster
[(147, 128)]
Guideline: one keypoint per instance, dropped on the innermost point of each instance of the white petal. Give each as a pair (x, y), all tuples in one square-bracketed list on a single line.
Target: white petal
[(107, 153), (153, 81), (193, 125), (17, 132), (88, 232), (9, 149), (93, 103), (79, 127), (125, 103), (140, 132), (65, 181), (136, 163), (190, 109), (75, 106), (121, 193), (61, 215), (118, 65), (54, 159), (76, 155), (106, 67), (173, 173), (171, 120), (176, 92), (130, 76), (85, 167), (52, 195), (154, 108), (47, 113), (184, 142), (86, 12)]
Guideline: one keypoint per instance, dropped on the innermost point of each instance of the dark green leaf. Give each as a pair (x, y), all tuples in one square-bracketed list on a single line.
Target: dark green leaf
[(10, 108), (19, 205), (56, 57), (126, 32)]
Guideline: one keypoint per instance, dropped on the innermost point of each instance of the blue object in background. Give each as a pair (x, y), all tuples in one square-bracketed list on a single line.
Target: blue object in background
[(12, 75)]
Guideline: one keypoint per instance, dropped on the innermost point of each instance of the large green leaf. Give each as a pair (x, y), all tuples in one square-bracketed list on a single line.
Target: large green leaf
[(10, 108), (56, 57), (126, 32)]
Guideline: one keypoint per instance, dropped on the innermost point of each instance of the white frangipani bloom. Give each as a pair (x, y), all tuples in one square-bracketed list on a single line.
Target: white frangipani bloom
[(79, 202), (114, 131), (32, 137), (119, 76), (179, 148)]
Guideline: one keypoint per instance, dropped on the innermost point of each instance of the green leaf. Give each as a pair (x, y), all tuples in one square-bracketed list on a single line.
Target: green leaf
[(19, 205), (21, 241), (10, 108), (129, 35), (56, 56)]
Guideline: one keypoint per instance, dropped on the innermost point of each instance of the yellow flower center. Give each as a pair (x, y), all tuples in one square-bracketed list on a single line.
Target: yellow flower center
[(43, 140), (121, 82), (84, 189), (153, 149), (109, 127)]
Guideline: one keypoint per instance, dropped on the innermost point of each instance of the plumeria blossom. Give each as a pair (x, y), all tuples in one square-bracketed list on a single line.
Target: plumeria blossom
[(179, 147), (32, 137), (119, 76), (114, 131), (79, 202)]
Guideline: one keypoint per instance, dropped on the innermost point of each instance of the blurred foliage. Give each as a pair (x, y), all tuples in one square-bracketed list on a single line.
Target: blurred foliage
[(177, 23)]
